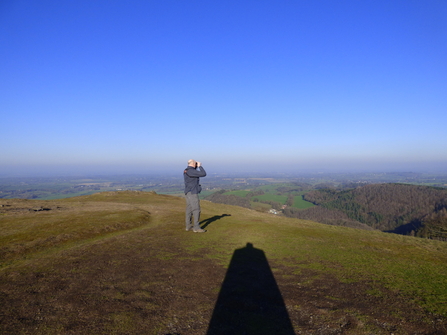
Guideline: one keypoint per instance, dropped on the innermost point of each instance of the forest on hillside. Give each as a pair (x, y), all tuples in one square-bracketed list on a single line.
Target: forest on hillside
[(398, 208)]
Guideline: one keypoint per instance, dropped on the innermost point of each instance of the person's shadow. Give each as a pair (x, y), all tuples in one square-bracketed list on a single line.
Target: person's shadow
[(206, 222), (249, 301)]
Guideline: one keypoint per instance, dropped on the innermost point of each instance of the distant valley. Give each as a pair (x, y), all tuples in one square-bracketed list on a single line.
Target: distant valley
[(405, 203), (398, 208)]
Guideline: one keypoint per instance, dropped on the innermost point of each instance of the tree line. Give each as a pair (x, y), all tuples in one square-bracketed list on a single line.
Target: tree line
[(399, 208)]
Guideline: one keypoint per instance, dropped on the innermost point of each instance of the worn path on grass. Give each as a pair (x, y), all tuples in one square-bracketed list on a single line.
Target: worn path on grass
[(155, 278)]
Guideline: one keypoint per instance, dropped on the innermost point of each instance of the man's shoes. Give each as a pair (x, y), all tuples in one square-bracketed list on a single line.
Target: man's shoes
[(200, 230), (189, 229)]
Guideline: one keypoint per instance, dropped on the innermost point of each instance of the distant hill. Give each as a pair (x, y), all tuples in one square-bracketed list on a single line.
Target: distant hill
[(400, 208)]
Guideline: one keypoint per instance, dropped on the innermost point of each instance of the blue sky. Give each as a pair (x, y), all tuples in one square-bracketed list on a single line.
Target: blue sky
[(280, 86)]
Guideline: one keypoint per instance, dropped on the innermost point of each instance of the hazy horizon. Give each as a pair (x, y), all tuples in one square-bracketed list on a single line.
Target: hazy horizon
[(117, 87), (213, 169)]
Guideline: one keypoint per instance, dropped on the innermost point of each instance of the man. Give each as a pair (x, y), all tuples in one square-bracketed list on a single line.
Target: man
[(192, 174)]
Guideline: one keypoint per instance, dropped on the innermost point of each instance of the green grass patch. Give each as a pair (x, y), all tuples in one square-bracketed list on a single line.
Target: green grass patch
[(272, 197), (300, 203), (270, 188), (240, 193)]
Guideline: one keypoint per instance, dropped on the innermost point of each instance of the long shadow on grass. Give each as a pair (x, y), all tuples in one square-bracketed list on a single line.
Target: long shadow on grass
[(249, 301), (212, 219)]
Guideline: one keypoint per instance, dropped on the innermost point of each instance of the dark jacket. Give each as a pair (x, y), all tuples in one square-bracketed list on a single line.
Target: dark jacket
[(191, 177)]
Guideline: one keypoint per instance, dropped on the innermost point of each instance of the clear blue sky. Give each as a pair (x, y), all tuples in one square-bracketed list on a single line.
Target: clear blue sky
[(281, 86)]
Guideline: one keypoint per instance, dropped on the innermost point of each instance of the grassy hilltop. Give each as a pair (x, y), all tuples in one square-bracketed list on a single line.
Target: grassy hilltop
[(122, 263)]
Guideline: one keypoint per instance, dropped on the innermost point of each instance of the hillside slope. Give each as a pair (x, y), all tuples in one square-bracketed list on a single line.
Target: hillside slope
[(399, 208), (122, 263)]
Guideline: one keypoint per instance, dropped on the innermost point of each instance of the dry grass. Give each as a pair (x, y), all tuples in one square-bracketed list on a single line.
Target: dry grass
[(121, 263), (29, 227)]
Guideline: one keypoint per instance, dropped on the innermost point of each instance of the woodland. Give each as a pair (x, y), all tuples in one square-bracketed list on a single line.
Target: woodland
[(406, 209)]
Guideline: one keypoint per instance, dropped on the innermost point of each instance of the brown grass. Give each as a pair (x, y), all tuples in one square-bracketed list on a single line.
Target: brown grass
[(121, 263)]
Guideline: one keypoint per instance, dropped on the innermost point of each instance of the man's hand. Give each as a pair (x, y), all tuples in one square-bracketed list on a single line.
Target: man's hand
[(199, 164)]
